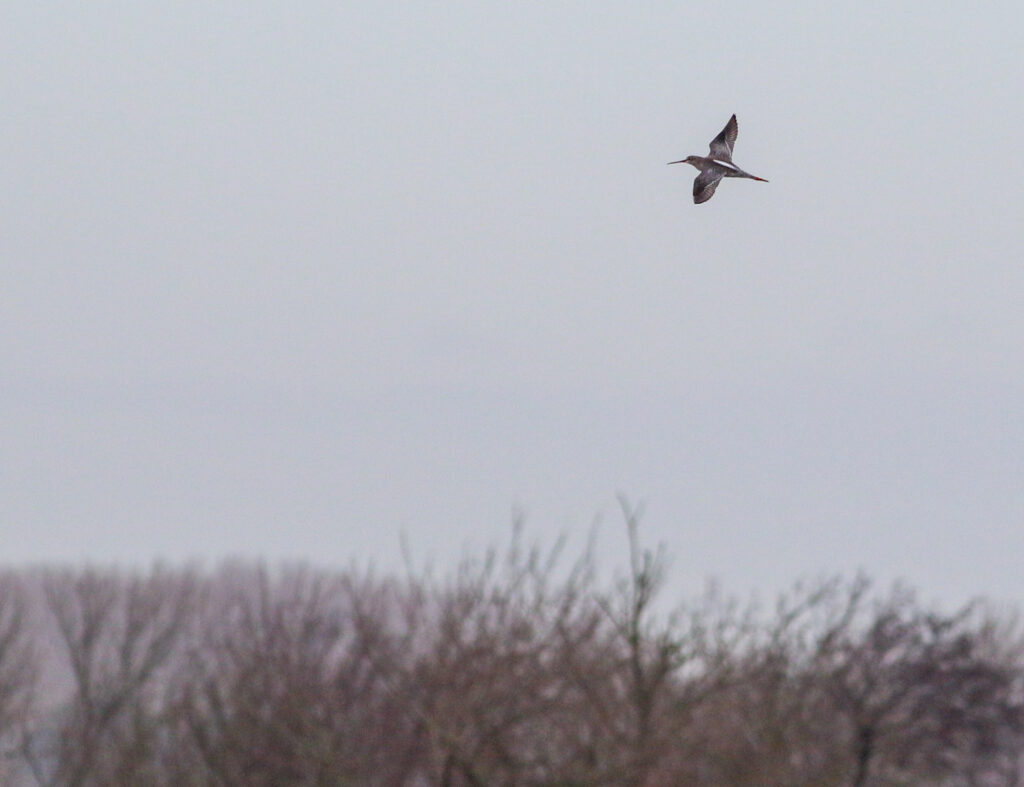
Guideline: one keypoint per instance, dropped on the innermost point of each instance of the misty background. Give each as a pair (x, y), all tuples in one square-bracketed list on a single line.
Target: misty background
[(291, 282)]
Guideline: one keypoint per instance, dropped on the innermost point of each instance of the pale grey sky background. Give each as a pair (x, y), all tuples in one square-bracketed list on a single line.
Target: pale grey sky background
[(290, 280)]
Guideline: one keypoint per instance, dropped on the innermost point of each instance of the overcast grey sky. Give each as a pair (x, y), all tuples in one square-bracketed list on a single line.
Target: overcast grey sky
[(292, 279)]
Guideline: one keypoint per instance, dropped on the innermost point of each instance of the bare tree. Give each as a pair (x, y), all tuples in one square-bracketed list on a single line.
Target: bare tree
[(921, 693), (534, 676), (18, 669), (627, 677), (486, 683), (513, 671), (290, 684), (843, 688), (116, 633)]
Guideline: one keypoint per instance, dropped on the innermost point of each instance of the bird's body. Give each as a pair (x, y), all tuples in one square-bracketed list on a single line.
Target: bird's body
[(717, 165)]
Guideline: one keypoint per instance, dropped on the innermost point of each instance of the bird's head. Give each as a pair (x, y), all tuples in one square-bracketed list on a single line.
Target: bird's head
[(694, 160)]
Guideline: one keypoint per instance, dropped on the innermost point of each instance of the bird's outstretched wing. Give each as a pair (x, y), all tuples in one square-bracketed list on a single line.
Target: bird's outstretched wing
[(704, 185), (721, 146)]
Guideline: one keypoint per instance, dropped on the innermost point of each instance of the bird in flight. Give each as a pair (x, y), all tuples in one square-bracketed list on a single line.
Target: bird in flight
[(717, 164)]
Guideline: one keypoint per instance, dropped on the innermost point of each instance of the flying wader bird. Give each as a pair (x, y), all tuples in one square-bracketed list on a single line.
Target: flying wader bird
[(717, 164)]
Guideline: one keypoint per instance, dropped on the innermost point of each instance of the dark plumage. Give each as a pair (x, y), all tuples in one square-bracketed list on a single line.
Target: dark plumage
[(717, 165)]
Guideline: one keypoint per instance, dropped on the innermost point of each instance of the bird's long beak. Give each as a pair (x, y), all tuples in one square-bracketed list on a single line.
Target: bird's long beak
[(681, 161)]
